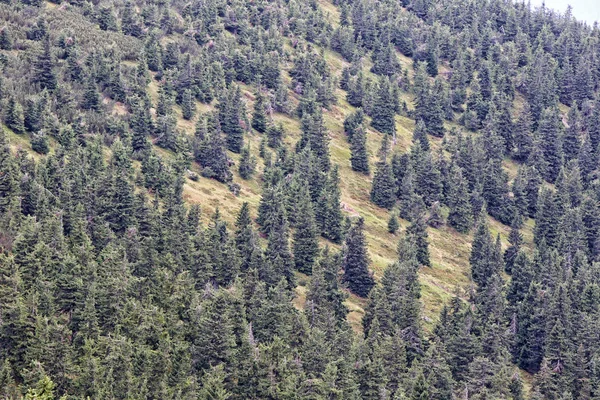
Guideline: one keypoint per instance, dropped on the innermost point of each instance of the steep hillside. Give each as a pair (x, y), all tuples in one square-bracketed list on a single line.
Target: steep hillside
[(349, 199)]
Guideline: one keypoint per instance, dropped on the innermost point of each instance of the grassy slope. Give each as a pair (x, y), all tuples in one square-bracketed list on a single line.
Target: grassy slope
[(449, 249)]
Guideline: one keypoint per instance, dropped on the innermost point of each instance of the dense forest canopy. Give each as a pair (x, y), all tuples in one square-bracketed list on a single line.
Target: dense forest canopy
[(298, 199)]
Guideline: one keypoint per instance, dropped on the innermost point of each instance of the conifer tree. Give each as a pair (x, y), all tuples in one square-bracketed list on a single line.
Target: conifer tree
[(420, 135), (188, 107), (230, 115), (259, 118), (356, 261), (328, 210), (275, 134), (393, 224), (247, 163), (6, 42), (353, 122), (14, 116), (420, 388), (305, 238), (460, 216), (8, 180), (549, 131), (44, 68), (515, 239), (91, 98), (383, 112), (571, 141), (359, 158), (383, 186), (417, 234)]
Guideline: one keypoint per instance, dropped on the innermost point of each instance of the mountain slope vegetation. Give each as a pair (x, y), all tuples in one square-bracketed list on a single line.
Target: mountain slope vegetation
[(357, 199)]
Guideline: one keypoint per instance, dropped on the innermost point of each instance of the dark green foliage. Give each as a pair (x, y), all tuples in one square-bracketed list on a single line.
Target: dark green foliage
[(383, 186), (6, 41), (44, 68), (359, 159), (353, 122), (393, 224), (14, 116), (305, 238), (230, 116), (383, 112), (275, 134), (209, 150), (356, 261), (8, 180), (328, 210), (91, 98), (259, 118), (460, 216), (420, 135), (247, 164), (113, 285), (549, 132), (417, 234), (188, 107)]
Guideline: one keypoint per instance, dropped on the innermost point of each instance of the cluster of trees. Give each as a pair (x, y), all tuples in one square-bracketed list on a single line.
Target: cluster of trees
[(112, 287)]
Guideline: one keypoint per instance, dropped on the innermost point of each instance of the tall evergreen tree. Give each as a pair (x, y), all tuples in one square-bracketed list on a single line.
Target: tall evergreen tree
[(383, 112), (44, 68), (359, 159), (305, 238), (356, 261), (259, 118)]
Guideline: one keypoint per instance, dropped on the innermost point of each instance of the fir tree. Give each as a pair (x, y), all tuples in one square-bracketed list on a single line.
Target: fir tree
[(8, 180), (359, 158), (259, 118), (383, 112), (247, 164), (420, 135), (44, 68), (275, 134), (549, 131), (14, 116), (91, 98), (460, 216), (393, 224), (188, 107), (305, 238), (417, 234), (356, 261), (230, 115)]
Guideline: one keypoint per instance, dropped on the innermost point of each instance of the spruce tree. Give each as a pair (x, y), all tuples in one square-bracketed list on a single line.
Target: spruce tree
[(188, 107), (460, 216), (359, 159), (259, 118), (44, 68), (14, 116), (383, 186), (8, 179), (275, 134), (247, 163), (417, 234), (393, 224), (549, 131), (305, 238), (230, 114), (353, 122), (356, 261), (91, 98), (383, 112), (328, 210), (420, 135)]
